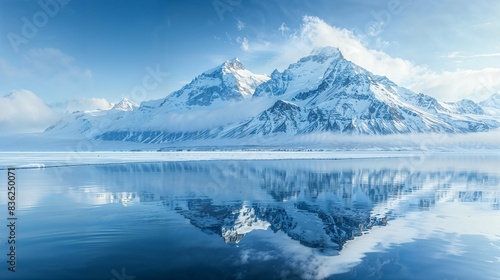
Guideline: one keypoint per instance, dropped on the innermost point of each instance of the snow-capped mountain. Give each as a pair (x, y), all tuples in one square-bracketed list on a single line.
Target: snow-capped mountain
[(492, 101), (325, 92), (320, 93), (466, 106), (227, 82), (124, 105), (92, 122), (227, 85), (492, 104)]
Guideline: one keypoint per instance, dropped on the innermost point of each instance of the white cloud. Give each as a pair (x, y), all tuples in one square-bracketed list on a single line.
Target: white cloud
[(84, 104), (209, 118), (314, 32), (54, 56), (374, 29), (486, 55), (476, 85), (462, 55), (452, 55), (47, 68), (244, 43), (54, 63), (317, 32), (23, 111), (283, 29), (446, 86), (381, 44), (240, 25)]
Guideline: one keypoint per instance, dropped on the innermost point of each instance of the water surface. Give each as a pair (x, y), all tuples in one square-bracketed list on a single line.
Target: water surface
[(409, 218)]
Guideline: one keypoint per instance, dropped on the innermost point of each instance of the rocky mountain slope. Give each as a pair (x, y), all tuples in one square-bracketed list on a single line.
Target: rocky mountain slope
[(320, 93)]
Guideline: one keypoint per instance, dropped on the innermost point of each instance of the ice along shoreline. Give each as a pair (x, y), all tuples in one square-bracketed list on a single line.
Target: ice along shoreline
[(32, 160)]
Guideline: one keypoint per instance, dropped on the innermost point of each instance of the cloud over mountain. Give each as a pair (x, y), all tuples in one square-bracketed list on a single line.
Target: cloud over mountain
[(24, 111), (475, 84)]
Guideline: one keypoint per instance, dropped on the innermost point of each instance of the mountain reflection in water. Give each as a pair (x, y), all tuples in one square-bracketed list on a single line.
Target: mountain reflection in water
[(321, 204), (398, 218)]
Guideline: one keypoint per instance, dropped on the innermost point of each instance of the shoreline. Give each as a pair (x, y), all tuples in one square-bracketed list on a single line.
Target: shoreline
[(34, 160)]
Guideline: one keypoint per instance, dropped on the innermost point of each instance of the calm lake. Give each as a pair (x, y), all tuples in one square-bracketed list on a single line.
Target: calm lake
[(435, 217)]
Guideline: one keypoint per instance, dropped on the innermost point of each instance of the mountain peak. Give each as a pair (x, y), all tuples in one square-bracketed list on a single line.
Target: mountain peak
[(234, 64), (124, 105), (327, 51), (229, 81), (305, 75), (492, 101), (330, 95)]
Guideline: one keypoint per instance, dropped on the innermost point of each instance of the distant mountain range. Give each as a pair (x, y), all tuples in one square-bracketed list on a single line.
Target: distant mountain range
[(320, 93)]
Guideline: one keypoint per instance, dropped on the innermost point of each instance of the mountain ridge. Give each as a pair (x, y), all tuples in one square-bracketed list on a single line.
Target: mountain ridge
[(230, 81), (322, 92)]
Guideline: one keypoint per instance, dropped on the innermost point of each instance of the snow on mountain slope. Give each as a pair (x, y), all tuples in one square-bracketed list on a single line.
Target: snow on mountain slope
[(492, 101), (93, 122), (86, 124), (329, 93), (306, 74), (228, 82), (213, 98), (467, 106), (492, 104), (321, 93), (125, 105)]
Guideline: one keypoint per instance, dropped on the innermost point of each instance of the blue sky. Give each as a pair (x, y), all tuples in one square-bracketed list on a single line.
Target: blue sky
[(113, 49)]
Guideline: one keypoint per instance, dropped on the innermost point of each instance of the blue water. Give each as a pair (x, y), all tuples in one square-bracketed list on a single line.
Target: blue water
[(432, 218)]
